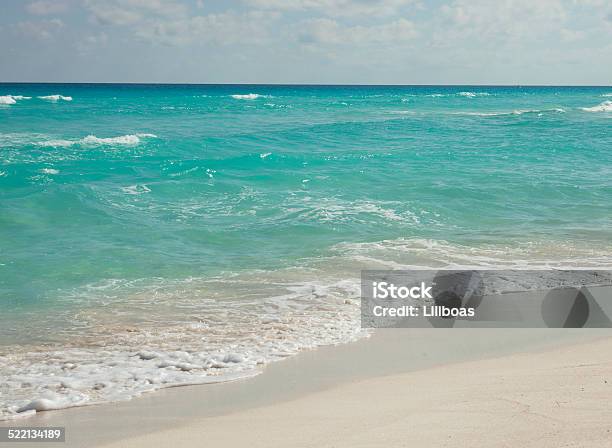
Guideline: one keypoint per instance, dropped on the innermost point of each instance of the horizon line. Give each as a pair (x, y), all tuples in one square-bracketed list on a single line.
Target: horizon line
[(300, 84)]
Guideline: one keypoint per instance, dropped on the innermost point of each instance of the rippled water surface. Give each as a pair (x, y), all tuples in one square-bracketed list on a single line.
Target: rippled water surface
[(158, 235)]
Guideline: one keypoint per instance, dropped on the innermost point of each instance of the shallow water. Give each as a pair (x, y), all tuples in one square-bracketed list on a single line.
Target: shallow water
[(157, 235)]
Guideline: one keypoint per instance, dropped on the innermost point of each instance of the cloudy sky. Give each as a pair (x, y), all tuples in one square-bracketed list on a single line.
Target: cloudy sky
[(308, 41)]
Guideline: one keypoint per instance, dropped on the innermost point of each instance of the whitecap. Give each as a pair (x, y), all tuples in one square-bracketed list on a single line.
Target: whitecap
[(606, 106), (55, 98), (539, 112), (57, 143), (265, 154), (7, 99), (473, 94), (121, 140), (49, 171), (92, 140), (249, 96), (12, 99)]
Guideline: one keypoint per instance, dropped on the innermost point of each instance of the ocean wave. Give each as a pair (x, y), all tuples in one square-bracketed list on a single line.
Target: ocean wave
[(55, 98), (332, 210), (51, 171), (155, 333), (473, 94), (280, 314), (92, 140), (249, 96), (418, 253), (136, 189), (539, 112), (606, 106), (7, 99), (446, 95), (12, 99), (557, 110)]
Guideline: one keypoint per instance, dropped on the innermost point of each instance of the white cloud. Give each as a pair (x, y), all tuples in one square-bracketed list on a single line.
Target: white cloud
[(168, 22), (335, 8), (41, 29), (46, 7), (505, 19), (328, 31), (128, 12), (91, 42), (221, 29)]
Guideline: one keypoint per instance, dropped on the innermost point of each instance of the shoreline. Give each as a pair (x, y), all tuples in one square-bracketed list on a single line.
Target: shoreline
[(388, 353), (556, 397)]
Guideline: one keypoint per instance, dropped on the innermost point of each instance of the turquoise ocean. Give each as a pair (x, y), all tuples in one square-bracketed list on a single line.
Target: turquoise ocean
[(157, 235)]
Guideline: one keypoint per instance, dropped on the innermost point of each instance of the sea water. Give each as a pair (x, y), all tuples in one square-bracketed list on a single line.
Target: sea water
[(156, 235)]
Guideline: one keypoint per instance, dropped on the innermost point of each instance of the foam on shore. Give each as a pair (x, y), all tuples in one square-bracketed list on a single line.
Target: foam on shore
[(259, 321), (136, 336)]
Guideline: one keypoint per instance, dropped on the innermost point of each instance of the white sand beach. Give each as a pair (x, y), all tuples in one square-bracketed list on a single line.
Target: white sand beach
[(401, 387), (550, 398)]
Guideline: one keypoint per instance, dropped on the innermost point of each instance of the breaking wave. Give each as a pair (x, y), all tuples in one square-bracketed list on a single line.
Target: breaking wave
[(473, 94), (92, 140), (227, 327), (55, 98), (249, 96), (606, 106), (12, 99), (539, 112)]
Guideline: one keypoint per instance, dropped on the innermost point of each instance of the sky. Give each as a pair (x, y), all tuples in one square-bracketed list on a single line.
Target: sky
[(543, 42)]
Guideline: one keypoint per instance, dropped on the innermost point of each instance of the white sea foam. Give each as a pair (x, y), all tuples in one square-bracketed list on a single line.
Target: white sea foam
[(338, 211), (195, 331), (55, 98), (607, 94), (445, 95), (414, 253), (539, 112), (136, 189), (249, 96), (121, 140), (606, 106), (51, 171), (265, 154), (138, 336), (7, 99), (12, 99), (473, 94), (57, 143), (92, 140)]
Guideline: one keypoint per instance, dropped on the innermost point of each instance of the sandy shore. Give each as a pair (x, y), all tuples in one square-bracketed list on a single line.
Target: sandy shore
[(552, 398), (401, 387)]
